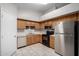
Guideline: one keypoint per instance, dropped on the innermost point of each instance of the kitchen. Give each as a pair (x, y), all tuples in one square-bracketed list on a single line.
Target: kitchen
[(34, 34), (53, 30)]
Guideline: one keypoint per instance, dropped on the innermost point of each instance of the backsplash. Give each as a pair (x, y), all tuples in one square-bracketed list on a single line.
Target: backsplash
[(25, 32)]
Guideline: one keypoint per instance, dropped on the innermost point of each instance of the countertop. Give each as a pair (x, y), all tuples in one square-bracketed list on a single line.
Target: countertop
[(52, 35), (29, 34)]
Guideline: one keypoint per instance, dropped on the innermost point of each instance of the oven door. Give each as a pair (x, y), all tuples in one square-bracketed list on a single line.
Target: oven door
[(45, 40)]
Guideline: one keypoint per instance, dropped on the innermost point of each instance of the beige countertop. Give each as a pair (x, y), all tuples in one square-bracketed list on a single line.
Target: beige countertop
[(29, 34), (33, 34), (52, 35)]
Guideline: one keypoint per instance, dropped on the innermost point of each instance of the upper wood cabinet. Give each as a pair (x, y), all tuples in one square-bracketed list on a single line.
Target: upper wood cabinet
[(48, 23), (78, 16), (42, 25), (28, 23), (37, 25), (21, 24), (45, 24), (52, 22)]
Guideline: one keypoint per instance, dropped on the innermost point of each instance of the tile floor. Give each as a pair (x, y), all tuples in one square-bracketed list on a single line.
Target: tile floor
[(35, 50)]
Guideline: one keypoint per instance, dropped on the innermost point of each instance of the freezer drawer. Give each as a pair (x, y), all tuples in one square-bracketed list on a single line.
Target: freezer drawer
[(59, 44)]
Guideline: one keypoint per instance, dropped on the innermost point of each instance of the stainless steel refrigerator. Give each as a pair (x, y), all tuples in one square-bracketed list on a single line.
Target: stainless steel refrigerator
[(66, 38)]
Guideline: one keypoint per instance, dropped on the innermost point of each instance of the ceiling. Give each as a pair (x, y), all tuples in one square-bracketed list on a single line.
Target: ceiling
[(40, 7)]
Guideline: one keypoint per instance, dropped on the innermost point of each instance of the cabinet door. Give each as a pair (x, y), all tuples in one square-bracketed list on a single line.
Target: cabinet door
[(78, 16), (40, 38), (52, 41), (37, 26), (27, 23), (29, 40), (42, 25), (37, 38), (21, 24), (33, 39)]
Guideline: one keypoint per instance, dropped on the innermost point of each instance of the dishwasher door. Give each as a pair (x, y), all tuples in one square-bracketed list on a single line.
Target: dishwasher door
[(21, 42)]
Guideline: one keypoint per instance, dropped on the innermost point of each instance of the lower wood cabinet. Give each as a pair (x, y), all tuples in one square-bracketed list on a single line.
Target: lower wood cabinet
[(29, 40), (38, 38), (52, 41), (32, 39)]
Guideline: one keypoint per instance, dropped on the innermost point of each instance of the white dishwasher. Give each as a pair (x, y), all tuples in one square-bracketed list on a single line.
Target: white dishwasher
[(21, 41)]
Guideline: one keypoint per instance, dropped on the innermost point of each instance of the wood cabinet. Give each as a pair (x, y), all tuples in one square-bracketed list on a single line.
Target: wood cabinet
[(29, 40), (53, 22), (39, 38), (32, 39), (21, 24), (37, 26), (41, 25), (52, 41), (45, 24), (28, 23), (78, 16)]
